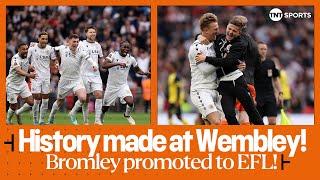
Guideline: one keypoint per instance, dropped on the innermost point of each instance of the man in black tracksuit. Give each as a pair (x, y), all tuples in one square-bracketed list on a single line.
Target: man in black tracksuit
[(252, 61), (230, 49)]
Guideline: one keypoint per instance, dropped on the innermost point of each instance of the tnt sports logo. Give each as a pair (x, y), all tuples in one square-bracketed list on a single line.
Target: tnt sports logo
[(276, 15)]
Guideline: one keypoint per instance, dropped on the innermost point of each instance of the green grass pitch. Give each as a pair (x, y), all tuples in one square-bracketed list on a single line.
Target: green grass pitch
[(110, 118)]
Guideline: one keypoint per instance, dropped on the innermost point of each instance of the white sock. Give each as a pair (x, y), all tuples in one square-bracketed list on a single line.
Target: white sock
[(76, 108), (102, 117), (9, 115), (85, 112), (128, 110), (35, 110), (98, 107), (43, 109), (54, 110), (24, 108)]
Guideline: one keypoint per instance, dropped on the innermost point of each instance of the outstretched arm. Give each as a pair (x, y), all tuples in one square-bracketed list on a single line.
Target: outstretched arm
[(139, 71)]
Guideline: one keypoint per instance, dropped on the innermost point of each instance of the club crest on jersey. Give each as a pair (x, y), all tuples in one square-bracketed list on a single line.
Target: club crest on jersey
[(228, 48)]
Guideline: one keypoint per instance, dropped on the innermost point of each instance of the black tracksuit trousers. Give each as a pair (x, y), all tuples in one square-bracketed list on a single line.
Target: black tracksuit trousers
[(237, 89)]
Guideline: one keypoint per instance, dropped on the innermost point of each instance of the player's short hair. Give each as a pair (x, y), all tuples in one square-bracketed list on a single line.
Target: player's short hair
[(22, 44), (42, 34), (261, 42), (73, 36), (89, 27), (239, 21), (206, 19), (125, 41)]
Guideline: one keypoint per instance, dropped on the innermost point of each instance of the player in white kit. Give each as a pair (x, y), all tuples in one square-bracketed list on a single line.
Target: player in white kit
[(118, 65), (41, 55), (17, 86), (203, 76), (91, 79), (71, 58)]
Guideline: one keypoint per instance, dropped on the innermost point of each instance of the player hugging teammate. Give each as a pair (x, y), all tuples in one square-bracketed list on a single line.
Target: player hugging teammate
[(78, 64), (234, 52)]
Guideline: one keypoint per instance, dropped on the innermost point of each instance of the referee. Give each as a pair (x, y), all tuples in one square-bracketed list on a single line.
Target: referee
[(265, 76), (230, 49)]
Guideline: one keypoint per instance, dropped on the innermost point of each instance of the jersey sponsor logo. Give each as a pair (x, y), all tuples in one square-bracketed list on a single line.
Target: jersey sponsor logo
[(45, 57)]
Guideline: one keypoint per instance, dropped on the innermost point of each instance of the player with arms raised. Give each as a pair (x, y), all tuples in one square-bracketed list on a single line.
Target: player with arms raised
[(118, 64)]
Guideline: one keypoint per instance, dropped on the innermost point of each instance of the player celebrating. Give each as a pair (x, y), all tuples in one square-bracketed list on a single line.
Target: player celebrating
[(231, 48), (71, 59), (203, 75), (91, 79), (40, 55), (16, 84), (118, 64)]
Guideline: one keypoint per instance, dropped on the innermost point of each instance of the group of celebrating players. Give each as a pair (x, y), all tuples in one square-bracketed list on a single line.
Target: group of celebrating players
[(79, 63)]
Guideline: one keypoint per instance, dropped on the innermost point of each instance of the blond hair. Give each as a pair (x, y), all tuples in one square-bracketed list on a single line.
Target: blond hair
[(206, 19)]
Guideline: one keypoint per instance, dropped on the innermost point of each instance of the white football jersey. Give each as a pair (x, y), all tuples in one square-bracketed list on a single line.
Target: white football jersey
[(95, 52), (14, 78), (118, 75), (70, 63), (201, 79), (40, 58)]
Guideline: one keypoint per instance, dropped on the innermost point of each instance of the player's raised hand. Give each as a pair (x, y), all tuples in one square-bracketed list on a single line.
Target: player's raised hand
[(200, 57)]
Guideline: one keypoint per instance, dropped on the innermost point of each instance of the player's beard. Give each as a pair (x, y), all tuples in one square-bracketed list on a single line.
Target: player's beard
[(123, 54), (24, 55), (43, 45), (92, 38)]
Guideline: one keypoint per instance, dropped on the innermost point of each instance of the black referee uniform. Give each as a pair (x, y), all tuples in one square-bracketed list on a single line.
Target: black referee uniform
[(232, 84), (266, 100)]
